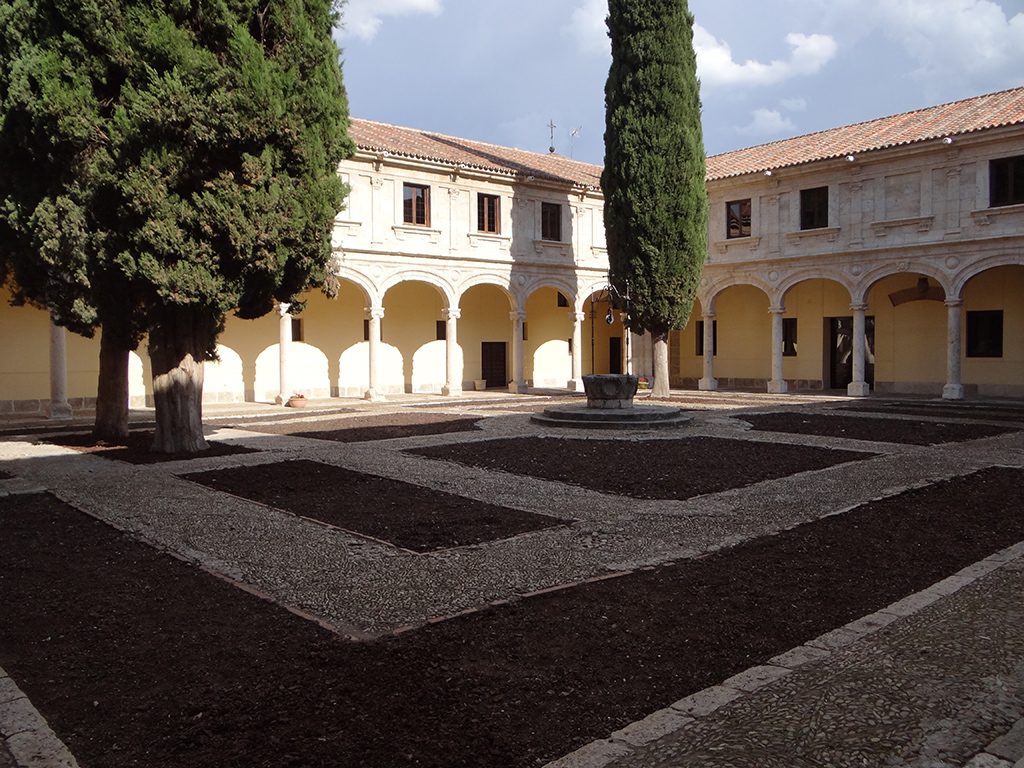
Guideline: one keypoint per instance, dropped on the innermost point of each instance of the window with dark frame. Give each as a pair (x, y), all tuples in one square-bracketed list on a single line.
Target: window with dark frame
[(562, 301), (700, 338), (524, 331), (1006, 181), (814, 208), (366, 330), (416, 204), (789, 337), (297, 329), (488, 213), (551, 221), (985, 333), (442, 330), (737, 218)]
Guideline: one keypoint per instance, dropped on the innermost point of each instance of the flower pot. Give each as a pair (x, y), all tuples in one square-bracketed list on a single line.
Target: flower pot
[(296, 402)]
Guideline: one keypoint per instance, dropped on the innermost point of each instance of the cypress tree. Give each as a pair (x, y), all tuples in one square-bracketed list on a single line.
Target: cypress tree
[(184, 156), (656, 208)]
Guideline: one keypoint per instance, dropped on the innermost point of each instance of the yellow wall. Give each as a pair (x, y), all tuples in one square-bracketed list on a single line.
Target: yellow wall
[(810, 302), (411, 311), (744, 334), (1000, 288), (485, 317), (910, 339), (546, 349), (602, 332)]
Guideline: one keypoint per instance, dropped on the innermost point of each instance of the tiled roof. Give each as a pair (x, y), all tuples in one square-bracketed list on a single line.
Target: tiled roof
[(933, 123), (424, 145)]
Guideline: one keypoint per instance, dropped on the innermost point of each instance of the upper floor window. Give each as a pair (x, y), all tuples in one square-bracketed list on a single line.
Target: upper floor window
[(551, 221), (488, 208), (1006, 181), (814, 208), (416, 204), (737, 217)]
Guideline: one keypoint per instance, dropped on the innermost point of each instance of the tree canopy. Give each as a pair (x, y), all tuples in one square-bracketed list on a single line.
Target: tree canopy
[(167, 162), (653, 181)]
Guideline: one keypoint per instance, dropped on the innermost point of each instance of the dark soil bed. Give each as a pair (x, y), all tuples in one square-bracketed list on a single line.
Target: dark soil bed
[(403, 514), (654, 469), (136, 449), (5, 475), (983, 412), (882, 430), (137, 659), (357, 429)]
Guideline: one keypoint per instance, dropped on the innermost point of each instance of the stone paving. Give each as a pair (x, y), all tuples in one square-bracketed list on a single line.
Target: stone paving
[(366, 588)]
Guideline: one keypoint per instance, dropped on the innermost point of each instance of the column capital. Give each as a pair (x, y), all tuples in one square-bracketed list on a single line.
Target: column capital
[(776, 310), (954, 302), (708, 316), (578, 317), (283, 307), (377, 313), (452, 313), (859, 307), (517, 315)]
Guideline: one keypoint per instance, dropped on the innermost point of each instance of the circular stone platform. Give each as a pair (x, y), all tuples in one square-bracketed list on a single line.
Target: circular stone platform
[(636, 417)]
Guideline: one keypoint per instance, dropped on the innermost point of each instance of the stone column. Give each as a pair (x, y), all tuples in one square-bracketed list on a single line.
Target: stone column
[(284, 346), (777, 383), (708, 382), (627, 346), (374, 392), (576, 382), (954, 389), (59, 407), (518, 383), (859, 387), (453, 371)]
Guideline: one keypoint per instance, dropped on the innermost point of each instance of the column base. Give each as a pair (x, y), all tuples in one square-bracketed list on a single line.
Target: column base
[(280, 399), (953, 392), (518, 387), (707, 385), (574, 385), (373, 396), (777, 387), (858, 389), (451, 391), (58, 411)]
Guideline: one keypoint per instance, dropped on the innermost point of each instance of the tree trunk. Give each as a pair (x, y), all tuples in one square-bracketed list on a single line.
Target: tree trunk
[(660, 386), (177, 348), (112, 391)]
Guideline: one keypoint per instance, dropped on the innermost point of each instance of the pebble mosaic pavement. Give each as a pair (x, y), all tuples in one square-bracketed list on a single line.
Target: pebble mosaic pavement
[(367, 588)]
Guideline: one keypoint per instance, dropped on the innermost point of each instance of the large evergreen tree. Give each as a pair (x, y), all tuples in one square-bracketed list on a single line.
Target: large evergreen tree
[(656, 208), (167, 162)]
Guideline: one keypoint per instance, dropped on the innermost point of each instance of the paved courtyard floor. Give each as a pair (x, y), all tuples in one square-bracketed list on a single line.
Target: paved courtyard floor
[(929, 682)]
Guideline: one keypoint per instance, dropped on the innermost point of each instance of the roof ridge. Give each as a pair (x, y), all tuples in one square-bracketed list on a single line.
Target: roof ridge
[(858, 123), (488, 144)]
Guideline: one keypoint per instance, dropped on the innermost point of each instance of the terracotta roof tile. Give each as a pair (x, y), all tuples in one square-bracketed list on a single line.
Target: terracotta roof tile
[(954, 119), (424, 145), (957, 118)]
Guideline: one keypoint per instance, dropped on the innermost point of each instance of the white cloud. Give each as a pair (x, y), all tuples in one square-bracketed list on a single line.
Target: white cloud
[(796, 104), (954, 36), (716, 66), (362, 18), (768, 122), (587, 26)]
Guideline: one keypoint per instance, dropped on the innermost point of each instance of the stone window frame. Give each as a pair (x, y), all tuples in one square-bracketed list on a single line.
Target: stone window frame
[(410, 214)]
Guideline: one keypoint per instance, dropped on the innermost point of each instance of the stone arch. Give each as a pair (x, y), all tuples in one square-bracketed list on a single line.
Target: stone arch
[(803, 275), (360, 280), (413, 308), (975, 268), (566, 287), (497, 281), (709, 295), (869, 279), (434, 280)]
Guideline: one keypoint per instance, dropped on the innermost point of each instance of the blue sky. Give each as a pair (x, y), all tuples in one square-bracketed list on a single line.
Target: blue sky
[(501, 70)]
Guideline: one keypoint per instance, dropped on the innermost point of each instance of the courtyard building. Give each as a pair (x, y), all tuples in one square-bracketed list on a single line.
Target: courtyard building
[(886, 256)]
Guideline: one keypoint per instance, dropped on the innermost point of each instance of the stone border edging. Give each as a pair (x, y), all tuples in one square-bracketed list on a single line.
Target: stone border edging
[(27, 735), (602, 752)]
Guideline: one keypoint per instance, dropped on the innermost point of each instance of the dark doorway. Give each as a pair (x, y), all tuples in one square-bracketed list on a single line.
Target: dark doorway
[(493, 365), (615, 354), (841, 351)]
